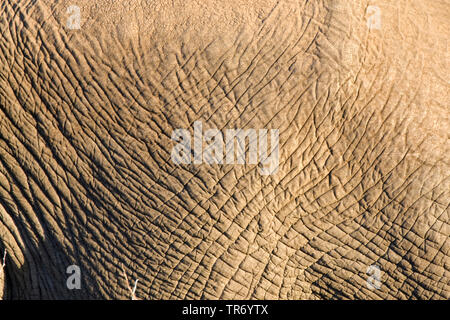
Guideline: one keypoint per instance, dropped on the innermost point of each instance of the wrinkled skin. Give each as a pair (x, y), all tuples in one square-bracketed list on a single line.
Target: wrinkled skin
[(86, 178)]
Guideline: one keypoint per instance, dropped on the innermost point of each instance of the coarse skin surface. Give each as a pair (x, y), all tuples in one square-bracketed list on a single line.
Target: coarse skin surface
[(86, 177)]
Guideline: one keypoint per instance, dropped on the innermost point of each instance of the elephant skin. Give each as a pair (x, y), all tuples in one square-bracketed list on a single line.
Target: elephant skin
[(357, 208)]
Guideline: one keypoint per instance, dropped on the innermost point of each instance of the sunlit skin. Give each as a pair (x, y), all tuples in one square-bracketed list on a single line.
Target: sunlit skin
[(347, 198)]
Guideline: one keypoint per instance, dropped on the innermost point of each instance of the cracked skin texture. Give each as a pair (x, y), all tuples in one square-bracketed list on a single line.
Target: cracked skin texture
[(86, 178)]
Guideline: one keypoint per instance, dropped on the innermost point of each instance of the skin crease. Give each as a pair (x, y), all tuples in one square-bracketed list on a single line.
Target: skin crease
[(86, 177)]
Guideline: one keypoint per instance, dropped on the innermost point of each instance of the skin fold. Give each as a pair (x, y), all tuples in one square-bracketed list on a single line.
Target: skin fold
[(87, 179)]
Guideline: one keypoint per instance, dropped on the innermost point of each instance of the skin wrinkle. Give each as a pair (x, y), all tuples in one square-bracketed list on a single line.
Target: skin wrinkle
[(102, 102)]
